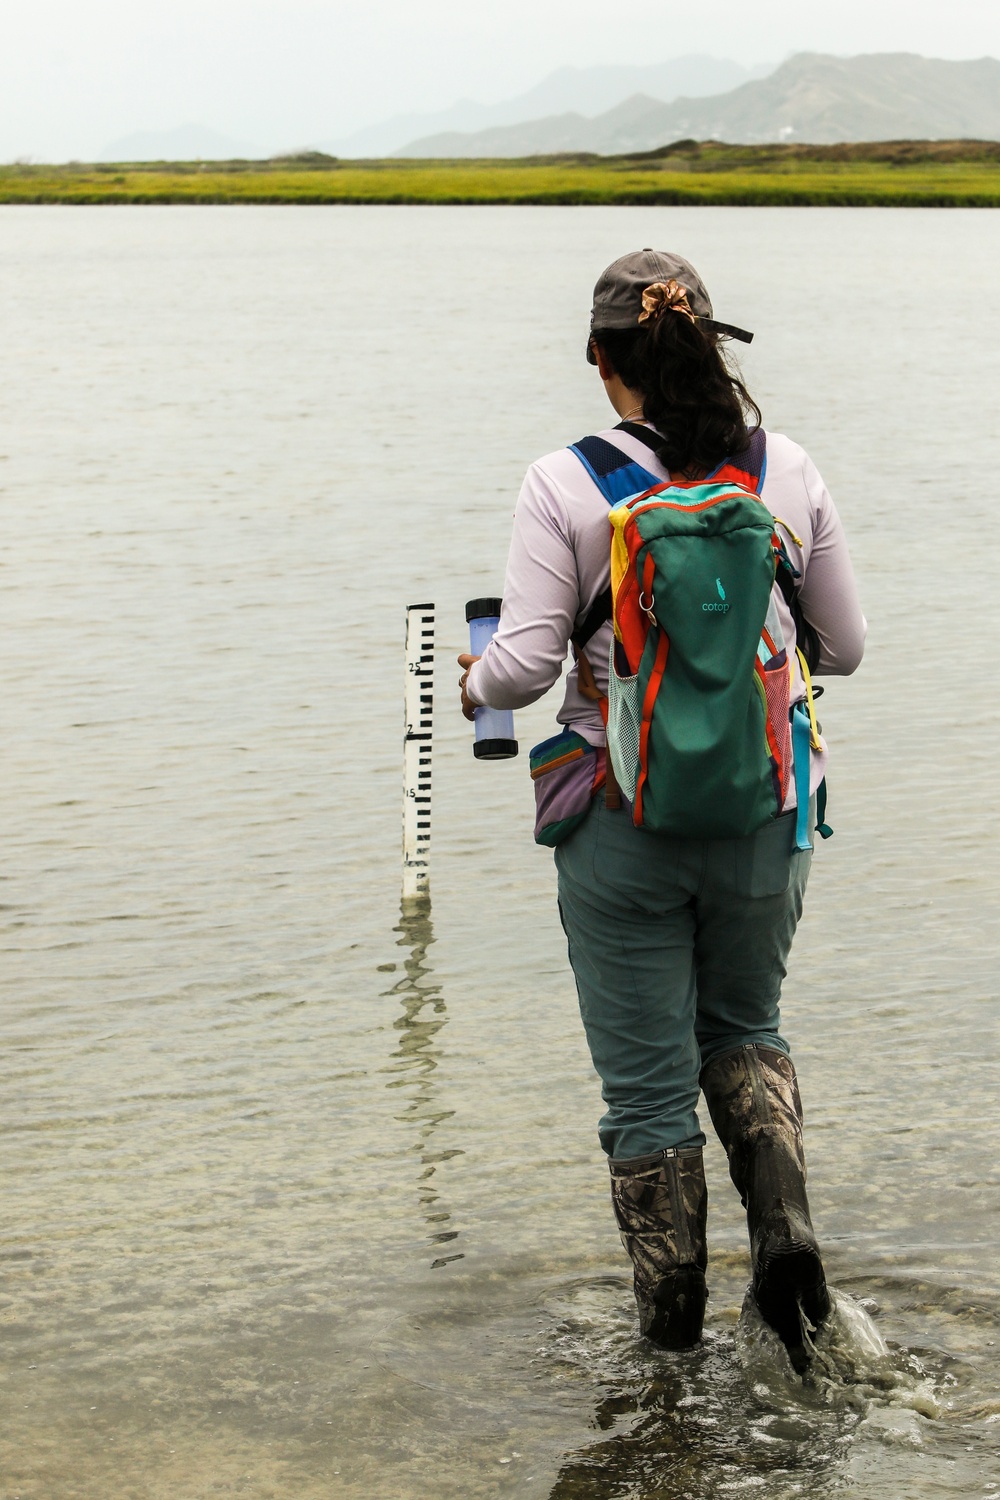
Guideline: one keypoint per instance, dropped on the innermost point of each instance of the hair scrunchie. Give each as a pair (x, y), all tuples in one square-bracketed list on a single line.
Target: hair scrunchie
[(664, 296)]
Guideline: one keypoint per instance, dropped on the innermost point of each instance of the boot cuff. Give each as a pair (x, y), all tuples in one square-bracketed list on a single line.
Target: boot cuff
[(624, 1165)]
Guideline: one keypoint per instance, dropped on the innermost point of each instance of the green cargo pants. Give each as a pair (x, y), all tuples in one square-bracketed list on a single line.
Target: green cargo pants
[(679, 949)]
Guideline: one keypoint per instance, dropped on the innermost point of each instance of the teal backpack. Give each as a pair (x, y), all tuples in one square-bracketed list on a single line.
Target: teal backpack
[(701, 736)]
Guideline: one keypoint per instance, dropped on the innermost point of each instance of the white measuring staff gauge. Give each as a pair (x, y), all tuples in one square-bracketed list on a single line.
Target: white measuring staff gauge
[(418, 744)]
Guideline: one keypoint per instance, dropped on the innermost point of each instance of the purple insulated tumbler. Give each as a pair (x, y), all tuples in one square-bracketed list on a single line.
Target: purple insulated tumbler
[(494, 726)]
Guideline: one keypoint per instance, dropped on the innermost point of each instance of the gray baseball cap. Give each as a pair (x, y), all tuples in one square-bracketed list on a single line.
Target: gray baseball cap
[(618, 293)]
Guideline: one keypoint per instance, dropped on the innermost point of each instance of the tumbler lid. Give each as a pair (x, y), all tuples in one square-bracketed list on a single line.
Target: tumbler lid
[(483, 609), (494, 749)]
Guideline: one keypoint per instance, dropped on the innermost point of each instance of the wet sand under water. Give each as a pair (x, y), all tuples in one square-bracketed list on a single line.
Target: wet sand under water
[(302, 1196)]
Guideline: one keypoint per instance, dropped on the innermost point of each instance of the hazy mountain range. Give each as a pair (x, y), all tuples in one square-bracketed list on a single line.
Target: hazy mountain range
[(609, 110), (811, 97), (582, 91), (587, 91)]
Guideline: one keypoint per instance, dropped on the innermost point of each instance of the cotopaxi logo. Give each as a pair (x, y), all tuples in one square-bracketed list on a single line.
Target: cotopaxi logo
[(717, 609)]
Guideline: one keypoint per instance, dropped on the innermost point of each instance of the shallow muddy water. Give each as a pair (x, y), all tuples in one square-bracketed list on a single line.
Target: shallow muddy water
[(302, 1196)]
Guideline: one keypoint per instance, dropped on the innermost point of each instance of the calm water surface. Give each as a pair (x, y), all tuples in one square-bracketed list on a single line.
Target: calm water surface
[(302, 1196)]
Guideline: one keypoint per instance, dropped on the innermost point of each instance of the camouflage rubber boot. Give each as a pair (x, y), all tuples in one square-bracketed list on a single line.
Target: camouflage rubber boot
[(753, 1098), (661, 1204)]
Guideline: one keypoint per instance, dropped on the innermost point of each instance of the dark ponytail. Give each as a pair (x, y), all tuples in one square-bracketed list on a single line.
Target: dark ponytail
[(701, 408)]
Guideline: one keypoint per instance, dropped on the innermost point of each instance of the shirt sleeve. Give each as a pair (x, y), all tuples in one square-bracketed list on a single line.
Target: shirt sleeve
[(540, 603), (829, 590)]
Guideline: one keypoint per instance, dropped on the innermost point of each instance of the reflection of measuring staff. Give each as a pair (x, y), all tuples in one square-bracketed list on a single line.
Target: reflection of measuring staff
[(418, 744)]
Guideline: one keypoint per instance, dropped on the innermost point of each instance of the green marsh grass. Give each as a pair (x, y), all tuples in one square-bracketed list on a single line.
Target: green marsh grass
[(896, 173)]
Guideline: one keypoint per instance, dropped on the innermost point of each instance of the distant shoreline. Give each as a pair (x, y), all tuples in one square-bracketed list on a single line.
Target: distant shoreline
[(893, 174)]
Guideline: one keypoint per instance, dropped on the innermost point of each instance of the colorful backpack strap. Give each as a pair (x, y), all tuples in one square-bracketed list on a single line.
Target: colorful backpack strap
[(747, 467), (617, 476), (613, 471)]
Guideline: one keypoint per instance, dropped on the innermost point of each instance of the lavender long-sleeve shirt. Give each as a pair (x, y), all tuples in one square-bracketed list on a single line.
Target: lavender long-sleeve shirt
[(559, 563)]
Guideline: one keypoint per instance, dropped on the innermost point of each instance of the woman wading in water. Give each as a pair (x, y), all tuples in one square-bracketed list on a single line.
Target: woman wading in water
[(679, 942)]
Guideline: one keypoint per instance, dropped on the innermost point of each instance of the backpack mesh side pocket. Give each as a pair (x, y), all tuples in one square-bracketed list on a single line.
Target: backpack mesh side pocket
[(624, 723), (778, 727)]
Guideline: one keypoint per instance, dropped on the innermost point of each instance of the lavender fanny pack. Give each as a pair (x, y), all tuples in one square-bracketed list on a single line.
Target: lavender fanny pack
[(567, 771)]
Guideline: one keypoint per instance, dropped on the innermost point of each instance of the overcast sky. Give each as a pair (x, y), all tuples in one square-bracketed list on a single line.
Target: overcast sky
[(74, 76)]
